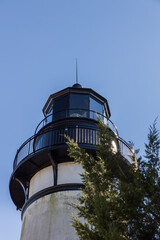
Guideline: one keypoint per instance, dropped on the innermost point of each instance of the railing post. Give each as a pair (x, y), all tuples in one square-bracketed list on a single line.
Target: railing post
[(29, 147), (76, 134), (122, 150)]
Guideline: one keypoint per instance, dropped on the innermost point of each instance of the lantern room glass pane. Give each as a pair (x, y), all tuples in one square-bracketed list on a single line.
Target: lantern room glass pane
[(79, 105), (49, 108), (49, 112), (60, 107), (96, 108)]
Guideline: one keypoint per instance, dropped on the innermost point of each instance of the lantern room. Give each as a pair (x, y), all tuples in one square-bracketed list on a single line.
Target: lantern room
[(76, 102)]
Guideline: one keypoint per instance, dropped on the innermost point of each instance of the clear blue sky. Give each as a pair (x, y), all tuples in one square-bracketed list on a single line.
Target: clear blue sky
[(117, 44)]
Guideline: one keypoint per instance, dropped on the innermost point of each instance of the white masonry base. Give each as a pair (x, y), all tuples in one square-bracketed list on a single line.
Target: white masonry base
[(50, 216)]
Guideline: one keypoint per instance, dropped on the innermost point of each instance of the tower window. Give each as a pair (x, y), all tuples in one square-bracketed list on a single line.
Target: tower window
[(60, 107), (96, 108), (79, 105)]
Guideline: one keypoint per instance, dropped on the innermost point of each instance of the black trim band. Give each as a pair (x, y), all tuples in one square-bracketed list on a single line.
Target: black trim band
[(50, 190)]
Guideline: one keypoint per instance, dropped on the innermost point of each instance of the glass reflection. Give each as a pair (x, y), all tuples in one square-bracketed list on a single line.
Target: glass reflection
[(96, 108), (79, 105), (60, 107)]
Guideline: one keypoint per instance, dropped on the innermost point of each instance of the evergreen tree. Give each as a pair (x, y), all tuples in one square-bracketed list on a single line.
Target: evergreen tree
[(118, 201), (150, 172)]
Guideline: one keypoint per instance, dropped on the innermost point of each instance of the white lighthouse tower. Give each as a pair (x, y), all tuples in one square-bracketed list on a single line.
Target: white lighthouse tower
[(45, 180)]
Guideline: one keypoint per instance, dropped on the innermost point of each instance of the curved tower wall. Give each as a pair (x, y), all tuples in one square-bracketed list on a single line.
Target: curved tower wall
[(50, 216)]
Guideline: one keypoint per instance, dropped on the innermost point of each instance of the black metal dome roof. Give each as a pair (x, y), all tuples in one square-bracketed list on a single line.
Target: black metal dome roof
[(77, 85)]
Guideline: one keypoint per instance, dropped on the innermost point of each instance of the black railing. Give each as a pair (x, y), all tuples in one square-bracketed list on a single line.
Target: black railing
[(80, 135), (76, 113)]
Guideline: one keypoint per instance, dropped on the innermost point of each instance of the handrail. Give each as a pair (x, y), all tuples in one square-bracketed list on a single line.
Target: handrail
[(81, 135), (132, 151), (67, 113), (114, 127)]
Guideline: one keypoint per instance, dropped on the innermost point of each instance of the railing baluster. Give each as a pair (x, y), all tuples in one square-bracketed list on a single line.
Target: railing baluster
[(122, 150), (28, 147), (91, 136), (76, 134)]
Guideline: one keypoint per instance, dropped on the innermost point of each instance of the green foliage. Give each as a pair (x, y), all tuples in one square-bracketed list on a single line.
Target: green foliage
[(118, 201), (152, 148), (150, 173)]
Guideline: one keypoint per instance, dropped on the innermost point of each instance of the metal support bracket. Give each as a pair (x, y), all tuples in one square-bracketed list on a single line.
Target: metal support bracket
[(24, 190), (54, 166)]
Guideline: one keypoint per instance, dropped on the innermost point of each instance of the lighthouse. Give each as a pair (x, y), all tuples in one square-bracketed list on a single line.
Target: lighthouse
[(45, 181)]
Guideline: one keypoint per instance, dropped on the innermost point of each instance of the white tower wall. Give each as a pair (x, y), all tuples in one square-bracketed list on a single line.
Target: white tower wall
[(49, 217)]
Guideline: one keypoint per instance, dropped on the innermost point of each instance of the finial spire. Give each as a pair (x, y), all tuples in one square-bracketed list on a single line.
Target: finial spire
[(76, 71), (77, 85)]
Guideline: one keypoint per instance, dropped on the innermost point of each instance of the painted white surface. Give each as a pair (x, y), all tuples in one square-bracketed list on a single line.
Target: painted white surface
[(41, 180), (114, 146), (69, 172), (49, 218)]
